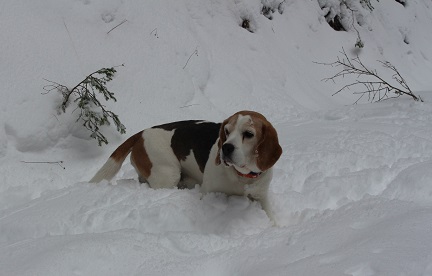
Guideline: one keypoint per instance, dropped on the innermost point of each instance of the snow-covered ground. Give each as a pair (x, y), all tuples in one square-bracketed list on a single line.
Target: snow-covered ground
[(352, 192)]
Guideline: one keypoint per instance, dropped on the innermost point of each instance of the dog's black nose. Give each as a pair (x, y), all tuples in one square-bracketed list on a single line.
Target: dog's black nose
[(227, 149)]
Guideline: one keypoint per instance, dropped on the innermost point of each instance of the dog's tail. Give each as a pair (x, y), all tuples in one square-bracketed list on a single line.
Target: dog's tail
[(114, 162)]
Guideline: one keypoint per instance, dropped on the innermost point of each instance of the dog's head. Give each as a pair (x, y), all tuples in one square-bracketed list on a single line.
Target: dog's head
[(248, 142)]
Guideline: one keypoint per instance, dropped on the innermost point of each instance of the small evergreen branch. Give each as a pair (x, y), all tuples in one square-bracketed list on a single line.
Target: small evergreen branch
[(85, 96), (376, 89)]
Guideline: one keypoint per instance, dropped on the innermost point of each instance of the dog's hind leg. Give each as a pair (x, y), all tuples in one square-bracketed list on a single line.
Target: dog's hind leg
[(164, 177), (162, 171), (162, 167)]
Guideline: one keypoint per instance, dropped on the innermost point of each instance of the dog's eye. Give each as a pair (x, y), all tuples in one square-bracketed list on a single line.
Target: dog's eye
[(227, 132), (248, 134)]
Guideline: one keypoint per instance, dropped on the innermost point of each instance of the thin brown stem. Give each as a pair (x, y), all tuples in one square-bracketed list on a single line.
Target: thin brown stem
[(377, 87)]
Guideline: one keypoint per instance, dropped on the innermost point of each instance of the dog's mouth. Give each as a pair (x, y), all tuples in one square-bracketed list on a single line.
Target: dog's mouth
[(228, 163), (226, 160), (242, 170)]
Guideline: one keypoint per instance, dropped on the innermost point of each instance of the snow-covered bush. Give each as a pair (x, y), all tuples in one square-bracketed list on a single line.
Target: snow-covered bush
[(271, 6), (341, 15)]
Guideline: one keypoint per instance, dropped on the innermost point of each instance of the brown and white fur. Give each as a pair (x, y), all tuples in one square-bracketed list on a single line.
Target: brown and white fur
[(235, 157)]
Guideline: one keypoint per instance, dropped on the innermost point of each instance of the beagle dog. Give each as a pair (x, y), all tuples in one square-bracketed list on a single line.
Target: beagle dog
[(234, 157)]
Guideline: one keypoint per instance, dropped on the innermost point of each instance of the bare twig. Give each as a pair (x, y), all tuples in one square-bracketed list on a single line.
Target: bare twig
[(189, 105), (47, 162), (70, 38), (154, 32), (193, 53), (359, 42), (124, 21), (376, 87)]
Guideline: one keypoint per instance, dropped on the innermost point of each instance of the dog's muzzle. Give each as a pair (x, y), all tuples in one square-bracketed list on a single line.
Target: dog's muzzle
[(227, 149)]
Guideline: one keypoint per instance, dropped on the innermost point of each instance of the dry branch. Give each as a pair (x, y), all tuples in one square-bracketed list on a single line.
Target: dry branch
[(369, 81)]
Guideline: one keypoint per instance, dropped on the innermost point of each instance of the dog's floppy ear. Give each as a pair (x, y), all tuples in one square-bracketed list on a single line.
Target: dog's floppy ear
[(221, 141), (268, 147)]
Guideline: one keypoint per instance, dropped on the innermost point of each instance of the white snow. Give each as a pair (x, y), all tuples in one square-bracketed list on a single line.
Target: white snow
[(352, 192)]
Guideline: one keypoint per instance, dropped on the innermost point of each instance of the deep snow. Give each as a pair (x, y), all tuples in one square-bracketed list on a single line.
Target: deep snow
[(352, 191)]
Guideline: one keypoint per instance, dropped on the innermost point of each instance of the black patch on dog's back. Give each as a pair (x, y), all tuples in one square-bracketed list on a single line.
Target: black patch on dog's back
[(175, 125), (198, 136)]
